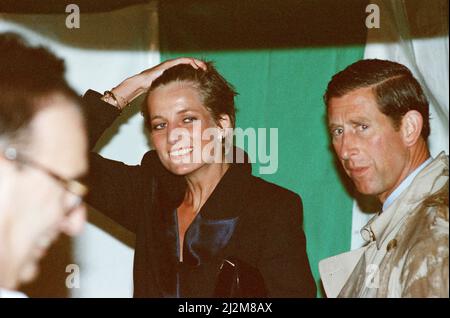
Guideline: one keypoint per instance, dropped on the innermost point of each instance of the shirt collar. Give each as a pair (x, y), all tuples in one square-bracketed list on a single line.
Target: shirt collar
[(5, 293), (405, 184), (378, 224)]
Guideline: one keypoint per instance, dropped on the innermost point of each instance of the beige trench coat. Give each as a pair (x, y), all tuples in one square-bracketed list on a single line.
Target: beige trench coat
[(407, 253)]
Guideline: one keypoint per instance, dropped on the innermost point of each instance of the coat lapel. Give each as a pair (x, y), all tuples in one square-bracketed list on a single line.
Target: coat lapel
[(210, 231), (217, 220), (335, 270)]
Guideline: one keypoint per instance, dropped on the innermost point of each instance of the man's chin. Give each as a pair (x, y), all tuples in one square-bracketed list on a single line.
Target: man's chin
[(29, 273), (369, 192)]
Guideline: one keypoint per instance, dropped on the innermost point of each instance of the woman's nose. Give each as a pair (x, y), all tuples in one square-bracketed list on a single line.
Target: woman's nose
[(177, 133)]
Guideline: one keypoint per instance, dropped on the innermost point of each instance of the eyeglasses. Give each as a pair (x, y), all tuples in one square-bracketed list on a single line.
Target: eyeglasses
[(75, 187)]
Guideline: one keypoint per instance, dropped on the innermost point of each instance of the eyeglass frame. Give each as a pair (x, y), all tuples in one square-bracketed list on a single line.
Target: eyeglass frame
[(75, 187)]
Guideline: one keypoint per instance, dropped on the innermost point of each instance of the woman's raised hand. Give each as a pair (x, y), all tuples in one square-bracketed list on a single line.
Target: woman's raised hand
[(153, 73), (134, 86)]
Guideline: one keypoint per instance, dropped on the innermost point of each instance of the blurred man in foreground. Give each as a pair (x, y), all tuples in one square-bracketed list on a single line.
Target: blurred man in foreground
[(43, 151)]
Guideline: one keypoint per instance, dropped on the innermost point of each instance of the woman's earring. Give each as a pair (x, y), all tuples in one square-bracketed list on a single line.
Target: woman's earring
[(221, 136)]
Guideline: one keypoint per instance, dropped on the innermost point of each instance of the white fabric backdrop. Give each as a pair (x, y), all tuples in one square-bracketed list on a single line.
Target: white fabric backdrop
[(414, 33), (98, 56)]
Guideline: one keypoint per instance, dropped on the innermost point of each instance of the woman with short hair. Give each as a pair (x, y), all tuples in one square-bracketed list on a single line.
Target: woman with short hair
[(204, 227)]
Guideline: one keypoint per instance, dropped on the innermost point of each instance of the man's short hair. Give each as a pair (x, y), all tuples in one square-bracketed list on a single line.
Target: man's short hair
[(27, 74), (394, 87)]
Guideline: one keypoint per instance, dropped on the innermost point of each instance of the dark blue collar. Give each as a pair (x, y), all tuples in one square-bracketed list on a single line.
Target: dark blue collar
[(210, 231)]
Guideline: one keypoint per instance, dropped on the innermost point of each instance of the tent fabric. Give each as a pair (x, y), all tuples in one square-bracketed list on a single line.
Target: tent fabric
[(413, 33)]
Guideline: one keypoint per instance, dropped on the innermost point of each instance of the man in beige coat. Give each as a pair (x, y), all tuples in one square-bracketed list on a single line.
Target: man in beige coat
[(378, 117)]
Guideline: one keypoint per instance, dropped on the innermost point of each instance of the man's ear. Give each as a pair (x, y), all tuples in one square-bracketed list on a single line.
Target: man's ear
[(411, 128)]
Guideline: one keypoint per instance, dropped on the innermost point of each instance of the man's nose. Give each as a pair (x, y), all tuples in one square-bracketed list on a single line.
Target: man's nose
[(73, 223), (347, 147)]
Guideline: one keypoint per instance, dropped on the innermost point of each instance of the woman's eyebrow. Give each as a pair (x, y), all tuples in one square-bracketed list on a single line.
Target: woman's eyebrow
[(180, 112), (186, 110), (156, 117)]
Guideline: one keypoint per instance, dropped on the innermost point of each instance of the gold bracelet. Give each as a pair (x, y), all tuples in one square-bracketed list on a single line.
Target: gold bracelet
[(107, 95), (125, 103)]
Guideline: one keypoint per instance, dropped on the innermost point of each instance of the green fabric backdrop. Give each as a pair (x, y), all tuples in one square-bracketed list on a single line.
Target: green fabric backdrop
[(279, 87)]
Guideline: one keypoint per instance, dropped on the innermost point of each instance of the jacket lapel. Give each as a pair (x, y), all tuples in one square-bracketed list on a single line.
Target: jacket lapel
[(335, 270), (209, 233), (217, 220)]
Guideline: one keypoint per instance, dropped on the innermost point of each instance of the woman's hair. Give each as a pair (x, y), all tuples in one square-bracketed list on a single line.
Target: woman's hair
[(217, 95)]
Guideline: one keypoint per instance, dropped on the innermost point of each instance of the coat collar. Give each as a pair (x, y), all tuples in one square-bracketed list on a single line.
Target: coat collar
[(427, 182), (215, 223), (210, 231), (228, 198), (336, 270), (232, 186)]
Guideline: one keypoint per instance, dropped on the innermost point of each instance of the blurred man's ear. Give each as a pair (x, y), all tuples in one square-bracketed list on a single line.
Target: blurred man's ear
[(411, 128), (73, 224)]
